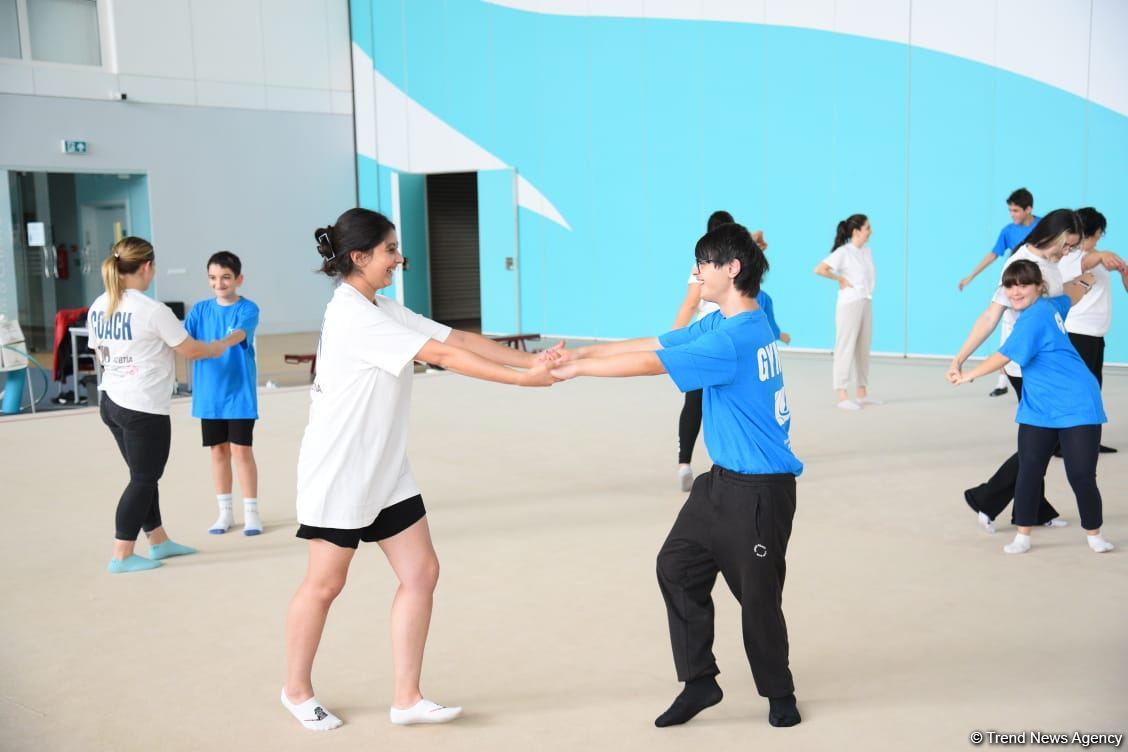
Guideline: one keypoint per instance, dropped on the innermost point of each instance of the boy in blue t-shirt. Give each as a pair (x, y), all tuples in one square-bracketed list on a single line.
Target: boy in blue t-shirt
[(224, 390), (737, 519), (1060, 403)]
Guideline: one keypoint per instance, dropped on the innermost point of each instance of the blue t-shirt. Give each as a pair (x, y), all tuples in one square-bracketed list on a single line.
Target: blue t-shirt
[(736, 363), (1012, 236), (224, 388), (1058, 389), (766, 306)]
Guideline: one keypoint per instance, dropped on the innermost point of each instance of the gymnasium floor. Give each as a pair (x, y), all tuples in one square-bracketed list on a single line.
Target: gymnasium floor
[(910, 628)]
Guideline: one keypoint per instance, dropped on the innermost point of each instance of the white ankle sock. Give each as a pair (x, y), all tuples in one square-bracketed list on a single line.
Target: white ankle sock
[(225, 519), (1056, 522), (252, 525), (849, 404), (1099, 544), (987, 523), (311, 714), (423, 711), (1020, 544)]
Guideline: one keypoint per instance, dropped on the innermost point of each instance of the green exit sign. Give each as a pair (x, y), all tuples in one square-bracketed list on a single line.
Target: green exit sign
[(75, 147)]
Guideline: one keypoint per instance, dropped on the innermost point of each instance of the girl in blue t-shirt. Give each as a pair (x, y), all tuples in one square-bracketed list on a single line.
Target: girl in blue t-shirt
[(1060, 404)]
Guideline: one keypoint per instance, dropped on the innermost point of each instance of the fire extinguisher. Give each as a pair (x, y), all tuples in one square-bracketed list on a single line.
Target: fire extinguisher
[(62, 265)]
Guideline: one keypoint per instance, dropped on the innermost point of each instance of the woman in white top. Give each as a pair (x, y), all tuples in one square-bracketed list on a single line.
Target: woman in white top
[(1089, 320), (850, 264), (135, 337), (354, 479)]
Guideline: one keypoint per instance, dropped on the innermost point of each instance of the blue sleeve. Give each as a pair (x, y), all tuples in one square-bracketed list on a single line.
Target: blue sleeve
[(1001, 245), (1061, 304), (709, 360), (1026, 340), (192, 321), (687, 334), (766, 305), (248, 321)]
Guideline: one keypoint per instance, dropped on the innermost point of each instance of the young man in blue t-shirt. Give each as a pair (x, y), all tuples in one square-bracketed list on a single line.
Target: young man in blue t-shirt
[(1020, 204), (737, 520), (224, 390)]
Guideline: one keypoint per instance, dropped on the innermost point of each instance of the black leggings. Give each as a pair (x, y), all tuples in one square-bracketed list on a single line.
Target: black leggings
[(689, 425), (1091, 349), (992, 497), (144, 440), (1079, 445)]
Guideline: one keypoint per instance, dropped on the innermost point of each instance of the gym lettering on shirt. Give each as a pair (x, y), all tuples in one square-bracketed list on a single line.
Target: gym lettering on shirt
[(767, 358)]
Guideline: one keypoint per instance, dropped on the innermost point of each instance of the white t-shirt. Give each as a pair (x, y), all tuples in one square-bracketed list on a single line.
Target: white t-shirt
[(704, 307), (1051, 275), (353, 457), (856, 265), (134, 346), (1092, 315)]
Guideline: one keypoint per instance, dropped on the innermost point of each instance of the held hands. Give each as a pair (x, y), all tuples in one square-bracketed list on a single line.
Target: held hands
[(954, 375), (785, 338), (538, 375), (1112, 262)]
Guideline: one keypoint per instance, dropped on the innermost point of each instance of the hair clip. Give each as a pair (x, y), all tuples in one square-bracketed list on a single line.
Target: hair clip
[(324, 237)]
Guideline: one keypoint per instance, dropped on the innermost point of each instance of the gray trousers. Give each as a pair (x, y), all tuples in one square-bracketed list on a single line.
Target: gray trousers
[(853, 324)]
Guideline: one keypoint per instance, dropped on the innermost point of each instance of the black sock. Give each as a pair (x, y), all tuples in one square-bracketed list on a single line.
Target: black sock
[(782, 711), (697, 695)]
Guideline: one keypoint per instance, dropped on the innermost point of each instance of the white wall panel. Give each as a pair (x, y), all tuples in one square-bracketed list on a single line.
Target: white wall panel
[(742, 11), (340, 45), (52, 81), (958, 27), (877, 19), (1045, 40), (688, 10), (1108, 64), (227, 41), (157, 90), (154, 38), (619, 8), (342, 102), (297, 44), (16, 78), (222, 94), (807, 14), (298, 100)]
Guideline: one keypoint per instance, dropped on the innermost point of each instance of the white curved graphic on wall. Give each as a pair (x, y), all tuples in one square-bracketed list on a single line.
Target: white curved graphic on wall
[(1074, 45), (398, 132)]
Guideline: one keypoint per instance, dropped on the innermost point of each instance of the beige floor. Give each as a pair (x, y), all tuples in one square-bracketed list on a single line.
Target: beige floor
[(909, 626)]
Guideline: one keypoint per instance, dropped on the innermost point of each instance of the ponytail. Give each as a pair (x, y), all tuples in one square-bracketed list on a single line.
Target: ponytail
[(127, 256), (845, 230)]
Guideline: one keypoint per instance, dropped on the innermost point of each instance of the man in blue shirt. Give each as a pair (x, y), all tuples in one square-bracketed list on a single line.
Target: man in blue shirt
[(737, 519), (1020, 204)]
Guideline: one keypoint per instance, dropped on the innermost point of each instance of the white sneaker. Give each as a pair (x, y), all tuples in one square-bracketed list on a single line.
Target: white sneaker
[(685, 477), (1020, 544), (849, 404), (870, 401), (1098, 544), (1056, 522), (987, 523), (423, 711)]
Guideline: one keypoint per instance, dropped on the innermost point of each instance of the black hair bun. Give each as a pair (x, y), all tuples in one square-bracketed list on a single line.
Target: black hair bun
[(324, 244)]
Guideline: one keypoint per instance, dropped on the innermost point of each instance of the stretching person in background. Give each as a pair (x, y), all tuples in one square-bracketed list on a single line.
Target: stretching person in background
[(1020, 204), (850, 264), (1060, 404), (135, 337), (694, 308), (1089, 320), (354, 480), (737, 519)]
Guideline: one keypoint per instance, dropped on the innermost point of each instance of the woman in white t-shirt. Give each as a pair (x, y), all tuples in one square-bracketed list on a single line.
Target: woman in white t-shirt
[(354, 479), (134, 338), (850, 264), (1089, 320)]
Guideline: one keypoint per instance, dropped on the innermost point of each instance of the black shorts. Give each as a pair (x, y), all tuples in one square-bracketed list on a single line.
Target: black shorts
[(391, 521), (216, 432)]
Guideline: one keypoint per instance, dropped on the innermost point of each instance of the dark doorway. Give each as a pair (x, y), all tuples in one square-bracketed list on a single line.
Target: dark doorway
[(452, 228)]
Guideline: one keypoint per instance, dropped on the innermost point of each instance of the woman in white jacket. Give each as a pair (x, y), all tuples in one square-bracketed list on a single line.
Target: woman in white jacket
[(850, 264)]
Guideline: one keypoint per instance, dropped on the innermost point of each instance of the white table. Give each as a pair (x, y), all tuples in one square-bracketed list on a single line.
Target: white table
[(75, 333)]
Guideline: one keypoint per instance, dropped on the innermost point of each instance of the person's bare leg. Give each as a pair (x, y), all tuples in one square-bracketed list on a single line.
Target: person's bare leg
[(245, 466), (325, 577), (221, 478), (413, 559)]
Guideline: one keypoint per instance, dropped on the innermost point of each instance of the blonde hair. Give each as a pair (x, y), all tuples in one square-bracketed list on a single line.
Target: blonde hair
[(127, 256)]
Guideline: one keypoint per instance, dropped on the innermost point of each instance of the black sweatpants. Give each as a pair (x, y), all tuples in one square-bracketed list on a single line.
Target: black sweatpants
[(144, 440), (992, 497), (1091, 349), (1079, 448), (737, 525), (689, 425)]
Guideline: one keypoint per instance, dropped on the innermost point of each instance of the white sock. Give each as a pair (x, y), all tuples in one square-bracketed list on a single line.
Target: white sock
[(987, 523), (225, 519), (1020, 544), (1099, 544), (423, 711), (849, 404), (311, 714), (1057, 522), (252, 525), (1002, 382)]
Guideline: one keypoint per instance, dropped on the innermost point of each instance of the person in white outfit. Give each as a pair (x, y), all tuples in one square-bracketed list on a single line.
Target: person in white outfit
[(850, 264), (354, 480)]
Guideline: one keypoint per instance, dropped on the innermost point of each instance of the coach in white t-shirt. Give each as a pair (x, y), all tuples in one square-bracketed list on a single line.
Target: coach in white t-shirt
[(354, 480), (134, 338)]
